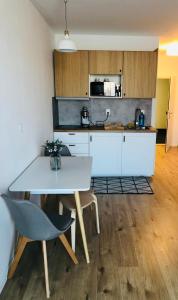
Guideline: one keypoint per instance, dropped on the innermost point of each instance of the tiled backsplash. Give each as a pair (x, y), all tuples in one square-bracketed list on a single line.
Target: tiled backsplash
[(121, 110)]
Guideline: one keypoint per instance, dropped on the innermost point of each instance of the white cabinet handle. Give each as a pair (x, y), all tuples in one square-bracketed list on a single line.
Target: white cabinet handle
[(90, 138), (71, 133), (124, 138)]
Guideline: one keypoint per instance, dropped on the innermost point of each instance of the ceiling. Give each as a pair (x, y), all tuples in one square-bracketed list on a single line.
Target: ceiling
[(122, 17)]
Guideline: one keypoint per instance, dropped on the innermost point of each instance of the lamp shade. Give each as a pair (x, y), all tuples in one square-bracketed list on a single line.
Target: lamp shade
[(67, 45)]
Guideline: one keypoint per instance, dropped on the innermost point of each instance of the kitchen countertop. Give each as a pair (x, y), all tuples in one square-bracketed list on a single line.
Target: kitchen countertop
[(78, 128)]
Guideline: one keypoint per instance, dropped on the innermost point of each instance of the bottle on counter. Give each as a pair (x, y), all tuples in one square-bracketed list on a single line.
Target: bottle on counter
[(137, 115), (142, 119)]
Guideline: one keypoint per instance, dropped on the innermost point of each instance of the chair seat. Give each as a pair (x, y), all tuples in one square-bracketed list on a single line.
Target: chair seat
[(61, 222), (86, 198)]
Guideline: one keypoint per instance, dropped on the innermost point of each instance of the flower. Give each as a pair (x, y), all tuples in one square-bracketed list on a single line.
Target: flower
[(53, 148)]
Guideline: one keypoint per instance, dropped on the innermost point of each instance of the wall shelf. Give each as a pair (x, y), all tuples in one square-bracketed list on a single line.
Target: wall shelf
[(116, 78), (104, 97), (73, 98)]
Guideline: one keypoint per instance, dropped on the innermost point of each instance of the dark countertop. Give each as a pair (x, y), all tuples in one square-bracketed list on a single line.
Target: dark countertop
[(67, 128)]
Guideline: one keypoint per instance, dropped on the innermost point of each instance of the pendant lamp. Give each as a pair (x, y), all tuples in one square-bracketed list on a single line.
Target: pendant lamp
[(66, 45)]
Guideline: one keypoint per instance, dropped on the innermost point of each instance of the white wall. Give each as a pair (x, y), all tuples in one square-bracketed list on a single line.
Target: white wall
[(26, 88), (115, 42), (168, 68)]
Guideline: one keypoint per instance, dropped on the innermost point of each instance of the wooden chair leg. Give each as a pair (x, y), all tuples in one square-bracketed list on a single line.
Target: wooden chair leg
[(46, 268), (20, 248), (68, 248), (27, 196), (97, 217), (43, 200), (73, 229), (60, 208)]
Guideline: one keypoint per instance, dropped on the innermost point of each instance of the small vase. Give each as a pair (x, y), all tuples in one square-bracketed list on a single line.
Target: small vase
[(55, 162)]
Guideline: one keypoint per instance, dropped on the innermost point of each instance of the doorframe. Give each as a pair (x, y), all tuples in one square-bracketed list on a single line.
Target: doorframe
[(153, 113), (167, 147)]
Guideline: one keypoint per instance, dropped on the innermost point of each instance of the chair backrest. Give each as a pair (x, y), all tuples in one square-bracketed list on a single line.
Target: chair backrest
[(30, 220), (65, 151)]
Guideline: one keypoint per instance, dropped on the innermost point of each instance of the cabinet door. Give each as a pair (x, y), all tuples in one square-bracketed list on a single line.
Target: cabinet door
[(72, 137), (105, 62), (71, 74), (138, 154), (106, 152), (139, 74), (77, 142)]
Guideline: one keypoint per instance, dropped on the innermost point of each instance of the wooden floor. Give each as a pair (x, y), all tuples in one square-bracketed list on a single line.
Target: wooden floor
[(135, 256)]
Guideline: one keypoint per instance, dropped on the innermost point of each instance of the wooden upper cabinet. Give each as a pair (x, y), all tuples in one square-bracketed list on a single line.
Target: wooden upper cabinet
[(139, 74), (71, 74), (105, 62)]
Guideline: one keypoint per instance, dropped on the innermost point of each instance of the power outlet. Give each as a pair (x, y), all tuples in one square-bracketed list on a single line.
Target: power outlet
[(108, 112)]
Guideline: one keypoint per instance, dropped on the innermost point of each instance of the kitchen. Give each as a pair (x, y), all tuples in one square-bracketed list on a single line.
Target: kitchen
[(100, 102), (98, 105)]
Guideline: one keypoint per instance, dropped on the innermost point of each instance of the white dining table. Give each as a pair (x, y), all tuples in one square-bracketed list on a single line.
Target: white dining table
[(73, 177)]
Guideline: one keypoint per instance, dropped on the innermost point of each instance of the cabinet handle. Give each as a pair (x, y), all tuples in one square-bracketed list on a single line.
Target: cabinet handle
[(120, 70), (72, 145), (124, 94), (90, 138), (124, 139), (86, 93), (71, 133)]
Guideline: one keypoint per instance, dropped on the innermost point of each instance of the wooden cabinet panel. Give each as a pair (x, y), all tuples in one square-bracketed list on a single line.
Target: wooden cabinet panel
[(139, 74), (84, 74), (71, 74), (105, 62), (58, 72), (139, 71)]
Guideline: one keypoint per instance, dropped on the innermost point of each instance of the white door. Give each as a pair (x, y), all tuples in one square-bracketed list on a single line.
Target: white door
[(106, 150), (138, 154)]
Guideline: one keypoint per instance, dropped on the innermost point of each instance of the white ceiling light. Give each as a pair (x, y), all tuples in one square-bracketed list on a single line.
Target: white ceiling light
[(171, 48), (66, 45)]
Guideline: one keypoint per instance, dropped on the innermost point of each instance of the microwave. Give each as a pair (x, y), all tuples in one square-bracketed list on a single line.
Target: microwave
[(97, 88), (103, 88)]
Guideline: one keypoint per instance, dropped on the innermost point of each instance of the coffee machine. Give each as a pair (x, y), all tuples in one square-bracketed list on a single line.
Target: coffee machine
[(85, 122)]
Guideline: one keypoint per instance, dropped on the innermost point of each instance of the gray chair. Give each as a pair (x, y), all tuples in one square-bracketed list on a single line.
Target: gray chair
[(34, 224), (64, 151), (86, 199)]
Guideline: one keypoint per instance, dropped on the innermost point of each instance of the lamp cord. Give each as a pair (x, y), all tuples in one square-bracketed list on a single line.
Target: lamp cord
[(66, 29)]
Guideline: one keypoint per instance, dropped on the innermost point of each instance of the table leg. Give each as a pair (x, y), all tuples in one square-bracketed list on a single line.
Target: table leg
[(82, 228)]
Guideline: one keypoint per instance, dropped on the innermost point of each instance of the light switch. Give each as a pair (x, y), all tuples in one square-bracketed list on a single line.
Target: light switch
[(20, 128)]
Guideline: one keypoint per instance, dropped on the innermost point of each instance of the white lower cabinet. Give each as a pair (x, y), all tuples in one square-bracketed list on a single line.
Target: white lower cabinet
[(106, 148), (138, 154), (114, 153)]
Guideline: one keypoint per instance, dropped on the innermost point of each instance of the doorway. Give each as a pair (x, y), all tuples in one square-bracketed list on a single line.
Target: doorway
[(162, 109)]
